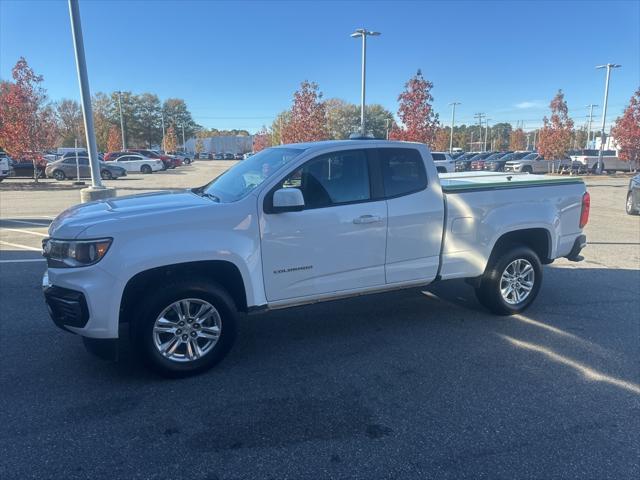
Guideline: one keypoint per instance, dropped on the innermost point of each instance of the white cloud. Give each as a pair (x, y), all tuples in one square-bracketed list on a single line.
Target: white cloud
[(528, 104)]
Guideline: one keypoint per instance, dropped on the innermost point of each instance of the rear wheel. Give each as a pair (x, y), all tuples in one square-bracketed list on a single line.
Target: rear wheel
[(629, 207), (511, 281), (187, 161), (59, 175), (527, 169), (145, 169), (185, 328), (106, 175)]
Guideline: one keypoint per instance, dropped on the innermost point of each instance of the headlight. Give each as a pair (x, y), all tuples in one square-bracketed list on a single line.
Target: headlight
[(74, 253)]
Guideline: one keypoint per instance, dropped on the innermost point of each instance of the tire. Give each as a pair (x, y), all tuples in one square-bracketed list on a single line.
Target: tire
[(527, 169), (187, 161), (106, 175), (180, 360), (514, 257), (59, 175), (146, 169), (631, 210)]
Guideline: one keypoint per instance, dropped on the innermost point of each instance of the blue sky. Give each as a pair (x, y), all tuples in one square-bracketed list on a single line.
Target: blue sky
[(238, 63)]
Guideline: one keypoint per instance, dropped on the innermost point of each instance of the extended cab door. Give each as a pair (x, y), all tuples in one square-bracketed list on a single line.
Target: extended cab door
[(337, 242), (415, 215)]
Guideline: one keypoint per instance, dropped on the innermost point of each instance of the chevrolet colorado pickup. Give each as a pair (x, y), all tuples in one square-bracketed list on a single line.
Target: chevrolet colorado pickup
[(298, 224)]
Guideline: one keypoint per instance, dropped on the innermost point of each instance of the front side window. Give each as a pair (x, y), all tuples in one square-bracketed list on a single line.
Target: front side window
[(402, 171), (332, 179)]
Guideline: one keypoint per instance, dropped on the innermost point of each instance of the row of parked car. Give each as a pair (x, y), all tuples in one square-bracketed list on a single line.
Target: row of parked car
[(224, 156), (576, 161)]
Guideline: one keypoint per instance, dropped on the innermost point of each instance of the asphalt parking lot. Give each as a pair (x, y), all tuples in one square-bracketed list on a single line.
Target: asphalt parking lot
[(407, 384)]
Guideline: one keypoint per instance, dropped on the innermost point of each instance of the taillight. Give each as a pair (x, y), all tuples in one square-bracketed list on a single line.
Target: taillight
[(586, 206)]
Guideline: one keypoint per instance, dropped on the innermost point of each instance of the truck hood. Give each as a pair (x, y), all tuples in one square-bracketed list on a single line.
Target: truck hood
[(73, 221)]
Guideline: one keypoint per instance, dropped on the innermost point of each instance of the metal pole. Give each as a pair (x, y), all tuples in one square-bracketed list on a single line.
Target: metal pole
[(589, 124), (609, 66), (124, 146), (87, 113), (184, 146), (453, 120), (535, 134), (388, 121), (77, 164), (163, 135), (486, 132), (364, 76)]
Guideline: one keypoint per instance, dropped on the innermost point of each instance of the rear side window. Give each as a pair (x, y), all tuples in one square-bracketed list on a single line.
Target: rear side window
[(438, 156), (402, 171), (333, 179)]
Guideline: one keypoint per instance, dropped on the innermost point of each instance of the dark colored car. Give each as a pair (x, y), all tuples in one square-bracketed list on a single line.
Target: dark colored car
[(497, 164), (66, 168), (169, 162), (219, 156), (633, 196), (477, 162), (24, 168), (111, 156), (229, 156), (463, 162)]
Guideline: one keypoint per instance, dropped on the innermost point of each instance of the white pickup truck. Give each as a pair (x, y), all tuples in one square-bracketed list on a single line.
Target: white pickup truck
[(298, 224)]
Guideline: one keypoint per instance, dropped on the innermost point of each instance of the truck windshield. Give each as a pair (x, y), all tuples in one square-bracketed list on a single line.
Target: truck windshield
[(245, 176)]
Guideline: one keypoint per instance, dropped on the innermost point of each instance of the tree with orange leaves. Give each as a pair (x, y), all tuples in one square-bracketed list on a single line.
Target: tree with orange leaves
[(626, 130), (307, 119), (555, 136)]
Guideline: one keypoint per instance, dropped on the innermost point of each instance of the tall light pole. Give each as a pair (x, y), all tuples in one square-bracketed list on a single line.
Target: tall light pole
[(608, 66), (364, 33), (124, 146), (97, 190), (163, 149), (590, 107), (453, 120)]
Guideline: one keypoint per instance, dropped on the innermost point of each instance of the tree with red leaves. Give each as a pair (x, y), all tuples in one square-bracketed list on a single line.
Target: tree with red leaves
[(555, 136), (261, 140), (27, 122), (307, 119), (114, 141), (419, 121), (626, 130), (517, 139)]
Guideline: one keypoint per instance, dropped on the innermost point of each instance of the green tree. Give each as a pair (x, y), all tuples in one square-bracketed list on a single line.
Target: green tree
[(176, 113), (149, 117), (69, 123)]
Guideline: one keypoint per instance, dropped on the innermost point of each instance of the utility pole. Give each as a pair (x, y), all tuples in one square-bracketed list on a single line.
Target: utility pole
[(471, 142), (364, 33), (479, 116), (184, 145), (453, 120), (486, 133), (97, 190), (163, 149), (124, 146), (590, 107), (608, 66), (535, 134)]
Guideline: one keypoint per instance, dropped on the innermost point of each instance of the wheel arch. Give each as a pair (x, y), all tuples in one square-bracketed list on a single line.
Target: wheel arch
[(222, 272), (537, 239)]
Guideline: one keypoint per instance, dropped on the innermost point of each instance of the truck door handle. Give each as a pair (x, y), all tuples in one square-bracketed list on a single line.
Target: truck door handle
[(366, 219)]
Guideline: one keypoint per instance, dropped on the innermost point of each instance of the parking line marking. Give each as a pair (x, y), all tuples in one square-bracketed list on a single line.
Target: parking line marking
[(17, 245), (24, 260), (24, 231), (25, 222)]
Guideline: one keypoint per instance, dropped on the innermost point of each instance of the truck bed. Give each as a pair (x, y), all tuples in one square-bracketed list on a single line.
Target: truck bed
[(471, 181)]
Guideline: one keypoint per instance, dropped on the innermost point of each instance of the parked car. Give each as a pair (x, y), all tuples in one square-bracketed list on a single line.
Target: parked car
[(463, 162), (477, 162), (238, 156), (167, 161), (497, 164), (456, 155), (185, 158), (24, 168), (111, 156), (247, 155), (138, 163), (4, 167), (611, 163), (219, 156), (229, 156), (531, 163), (633, 196), (324, 220), (205, 156), (66, 168), (443, 161)]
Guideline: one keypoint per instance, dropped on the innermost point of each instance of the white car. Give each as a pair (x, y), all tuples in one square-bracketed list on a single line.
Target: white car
[(298, 224), (138, 163), (4, 167), (611, 163), (443, 161)]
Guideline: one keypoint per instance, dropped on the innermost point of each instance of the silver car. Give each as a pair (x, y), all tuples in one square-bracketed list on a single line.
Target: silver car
[(66, 168), (633, 196)]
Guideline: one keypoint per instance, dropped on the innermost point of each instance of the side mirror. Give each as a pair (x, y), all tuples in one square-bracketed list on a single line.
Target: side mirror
[(288, 200)]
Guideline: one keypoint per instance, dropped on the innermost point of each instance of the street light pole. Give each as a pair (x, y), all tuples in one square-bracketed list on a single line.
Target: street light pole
[(453, 120), (364, 33), (590, 107), (124, 146), (97, 190), (163, 149), (608, 66)]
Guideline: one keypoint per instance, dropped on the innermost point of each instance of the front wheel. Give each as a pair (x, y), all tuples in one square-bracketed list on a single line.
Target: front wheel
[(106, 175), (146, 169), (185, 327), (511, 281), (59, 175), (629, 207)]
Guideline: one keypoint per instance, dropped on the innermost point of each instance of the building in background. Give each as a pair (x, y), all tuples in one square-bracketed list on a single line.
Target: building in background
[(222, 144)]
